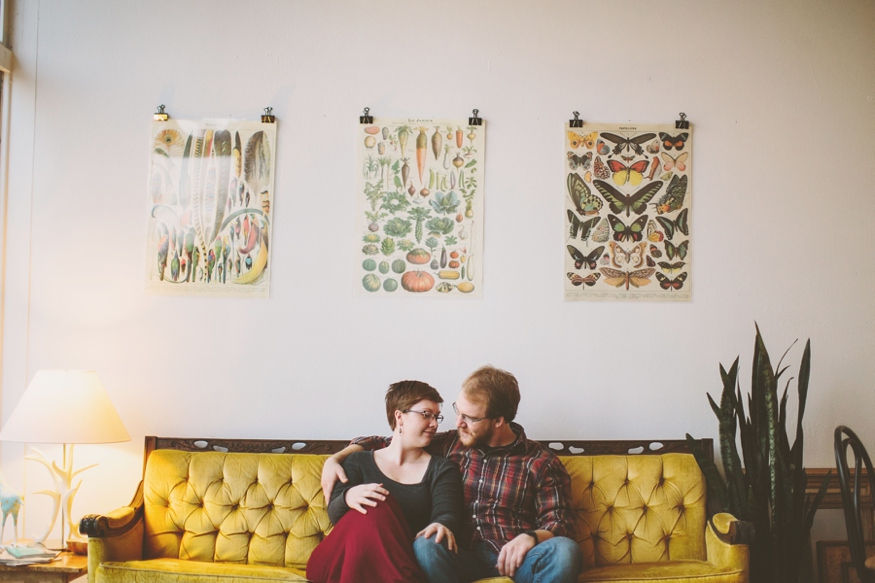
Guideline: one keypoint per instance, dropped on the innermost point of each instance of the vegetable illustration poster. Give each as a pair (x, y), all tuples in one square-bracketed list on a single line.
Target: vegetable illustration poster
[(627, 212), (210, 196), (420, 208)]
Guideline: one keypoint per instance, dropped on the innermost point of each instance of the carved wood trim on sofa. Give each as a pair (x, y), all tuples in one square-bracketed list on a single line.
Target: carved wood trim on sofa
[(322, 446)]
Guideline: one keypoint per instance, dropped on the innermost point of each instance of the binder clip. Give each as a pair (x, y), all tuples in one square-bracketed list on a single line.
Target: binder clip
[(476, 120), (576, 122), (367, 117), (267, 117), (682, 123), (160, 115)]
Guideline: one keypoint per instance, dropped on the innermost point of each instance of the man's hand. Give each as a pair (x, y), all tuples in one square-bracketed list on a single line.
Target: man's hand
[(513, 554), (363, 495), (441, 532), (332, 471)]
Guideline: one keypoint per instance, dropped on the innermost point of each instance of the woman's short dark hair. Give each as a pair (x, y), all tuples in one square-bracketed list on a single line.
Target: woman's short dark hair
[(405, 394), (497, 389)]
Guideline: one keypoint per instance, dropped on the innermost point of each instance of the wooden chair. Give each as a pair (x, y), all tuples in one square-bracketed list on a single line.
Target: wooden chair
[(851, 497)]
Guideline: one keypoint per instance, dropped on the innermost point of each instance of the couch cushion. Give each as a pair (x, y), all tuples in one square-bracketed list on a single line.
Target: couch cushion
[(665, 572), (638, 508), (679, 571), (234, 507), (185, 571)]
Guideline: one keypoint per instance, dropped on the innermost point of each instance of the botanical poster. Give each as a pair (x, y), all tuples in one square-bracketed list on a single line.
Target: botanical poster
[(210, 191), (627, 212), (420, 208)]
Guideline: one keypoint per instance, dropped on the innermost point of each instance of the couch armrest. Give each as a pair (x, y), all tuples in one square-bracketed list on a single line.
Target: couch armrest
[(731, 530), (117, 536), (726, 542)]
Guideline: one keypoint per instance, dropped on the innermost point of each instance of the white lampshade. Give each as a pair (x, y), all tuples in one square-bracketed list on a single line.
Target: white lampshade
[(65, 406)]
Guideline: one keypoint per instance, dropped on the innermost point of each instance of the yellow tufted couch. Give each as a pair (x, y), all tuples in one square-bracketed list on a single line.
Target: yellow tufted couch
[(216, 511)]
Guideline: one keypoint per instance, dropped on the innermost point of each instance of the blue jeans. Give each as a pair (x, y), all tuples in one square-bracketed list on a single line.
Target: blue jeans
[(556, 560)]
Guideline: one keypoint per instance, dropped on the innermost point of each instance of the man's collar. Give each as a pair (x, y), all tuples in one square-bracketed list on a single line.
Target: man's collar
[(520, 438)]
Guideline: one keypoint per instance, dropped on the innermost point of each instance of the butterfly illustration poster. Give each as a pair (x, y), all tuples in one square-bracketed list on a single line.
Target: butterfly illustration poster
[(419, 208), (209, 205), (627, 212)]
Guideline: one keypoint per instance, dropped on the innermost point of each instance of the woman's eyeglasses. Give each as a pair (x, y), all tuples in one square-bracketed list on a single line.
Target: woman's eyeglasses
[(427, 415)]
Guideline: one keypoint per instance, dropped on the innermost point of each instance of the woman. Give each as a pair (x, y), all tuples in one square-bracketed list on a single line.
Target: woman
[(393, 493)]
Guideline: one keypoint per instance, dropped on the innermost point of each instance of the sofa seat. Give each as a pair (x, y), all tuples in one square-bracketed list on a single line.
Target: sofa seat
[(688, 571), (186, 571), (670, 572)]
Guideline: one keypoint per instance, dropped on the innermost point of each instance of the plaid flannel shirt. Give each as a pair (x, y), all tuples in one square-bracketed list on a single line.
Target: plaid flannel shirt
[(507, 490)]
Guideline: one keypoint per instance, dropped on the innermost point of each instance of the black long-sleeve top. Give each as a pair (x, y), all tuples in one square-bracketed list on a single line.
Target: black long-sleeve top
[(437, 498)]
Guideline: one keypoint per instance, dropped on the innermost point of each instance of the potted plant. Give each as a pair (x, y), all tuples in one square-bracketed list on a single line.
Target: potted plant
[(765, 484)]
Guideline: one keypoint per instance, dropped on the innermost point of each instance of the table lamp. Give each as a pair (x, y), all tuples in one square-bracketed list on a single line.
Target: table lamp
[(65, 407)]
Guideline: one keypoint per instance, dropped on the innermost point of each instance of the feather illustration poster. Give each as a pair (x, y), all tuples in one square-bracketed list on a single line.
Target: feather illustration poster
[(627, 212), (420, 208), (210, 195)]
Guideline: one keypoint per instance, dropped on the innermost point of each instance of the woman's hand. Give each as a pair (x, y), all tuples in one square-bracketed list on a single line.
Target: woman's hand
[(363, 495), (441, 532)]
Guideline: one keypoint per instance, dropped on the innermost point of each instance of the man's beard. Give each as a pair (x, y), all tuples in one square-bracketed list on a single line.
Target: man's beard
[(470, 440)]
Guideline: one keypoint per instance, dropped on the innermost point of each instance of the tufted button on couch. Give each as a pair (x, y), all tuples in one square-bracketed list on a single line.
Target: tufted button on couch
[(217, 513)]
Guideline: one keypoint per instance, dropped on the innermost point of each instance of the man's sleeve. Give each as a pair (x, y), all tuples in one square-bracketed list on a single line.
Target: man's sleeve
[(440, 445), (371, 442), (554, 499)]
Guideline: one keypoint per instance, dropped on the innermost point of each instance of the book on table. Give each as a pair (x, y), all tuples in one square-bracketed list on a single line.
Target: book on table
[(26, 555)]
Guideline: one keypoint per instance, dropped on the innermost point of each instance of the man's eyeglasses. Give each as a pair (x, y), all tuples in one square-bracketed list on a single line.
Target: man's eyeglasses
[(427, 415), (467, 419)]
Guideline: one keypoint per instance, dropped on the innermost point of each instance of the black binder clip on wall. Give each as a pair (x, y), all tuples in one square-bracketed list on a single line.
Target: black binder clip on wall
[(682, 123), (576, 122), (267, 117), (367, 117), (160, 115), (476, 120)]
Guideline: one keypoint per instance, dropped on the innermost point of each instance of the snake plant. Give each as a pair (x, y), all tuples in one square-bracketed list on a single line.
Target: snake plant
[(765, 483)]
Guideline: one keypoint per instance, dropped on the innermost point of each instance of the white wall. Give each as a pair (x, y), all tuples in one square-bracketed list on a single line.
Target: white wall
[(782, 98)]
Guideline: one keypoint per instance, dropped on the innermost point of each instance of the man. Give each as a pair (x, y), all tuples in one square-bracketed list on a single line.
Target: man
[(517, 494)]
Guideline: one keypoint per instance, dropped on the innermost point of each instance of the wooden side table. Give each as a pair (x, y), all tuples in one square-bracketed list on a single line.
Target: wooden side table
[(66, 567)]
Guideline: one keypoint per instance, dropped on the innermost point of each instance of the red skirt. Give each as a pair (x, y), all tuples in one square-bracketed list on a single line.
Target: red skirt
[(376, 547)]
